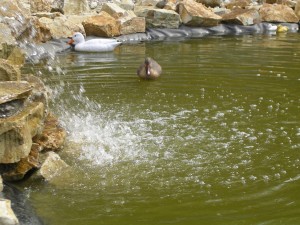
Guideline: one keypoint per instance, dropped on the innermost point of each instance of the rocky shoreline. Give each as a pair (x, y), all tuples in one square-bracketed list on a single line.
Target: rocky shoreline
[(30, 135)]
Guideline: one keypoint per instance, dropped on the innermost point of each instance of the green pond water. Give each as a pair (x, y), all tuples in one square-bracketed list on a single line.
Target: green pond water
[(215, 140)]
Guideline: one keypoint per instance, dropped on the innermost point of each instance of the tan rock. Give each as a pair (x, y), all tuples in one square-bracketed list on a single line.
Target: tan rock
[(131, 24), (51, 167), (244, 17), (196, 14), (21, 168), (75, 7), (125, 4), (13, 90), (15, 16), (146, 2), (53, 136), (297, 9), (278, 13), (40, 6), (7, 216), (242, 4), (113, 10), (159, 18), (102, 25), (210, 3), (7, 41), (17, 57), (16, 132), (54, 26), (9, 72)]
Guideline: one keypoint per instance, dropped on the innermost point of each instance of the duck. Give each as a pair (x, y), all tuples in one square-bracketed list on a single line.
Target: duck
[(149, 69), (93, 45), (282, 29)]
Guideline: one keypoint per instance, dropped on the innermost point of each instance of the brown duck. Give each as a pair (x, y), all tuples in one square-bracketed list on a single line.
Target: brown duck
[(149, 69)]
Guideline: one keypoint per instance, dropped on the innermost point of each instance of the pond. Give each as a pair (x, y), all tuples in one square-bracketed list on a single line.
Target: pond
[(215, 140)]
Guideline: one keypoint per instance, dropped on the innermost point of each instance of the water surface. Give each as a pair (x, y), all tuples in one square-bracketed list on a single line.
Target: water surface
[(215, 140)]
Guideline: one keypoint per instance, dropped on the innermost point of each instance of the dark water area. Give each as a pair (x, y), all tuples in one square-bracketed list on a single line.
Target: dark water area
[(215, 140)]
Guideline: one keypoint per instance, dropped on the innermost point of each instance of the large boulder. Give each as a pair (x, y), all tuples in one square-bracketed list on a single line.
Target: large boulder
[(242, 4), (159, 18), (196, 14), (53, 27), (7, 216), (297, 9), (278, 13), (17, 130), (244, 17), (102, 25)]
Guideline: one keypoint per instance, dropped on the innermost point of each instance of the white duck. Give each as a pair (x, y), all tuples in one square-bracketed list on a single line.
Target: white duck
[(93, 45)]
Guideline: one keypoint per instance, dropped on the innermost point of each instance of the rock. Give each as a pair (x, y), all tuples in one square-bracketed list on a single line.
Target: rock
[(54, 26), (17, 171), (196, 14), (210, 3), (75, 7), (39, 92), (159, 18), (113, 10), (126, 4), (16, 132), (102, 25), (7, 41), (37, 6), (52, 165), (9, 72), (12, 97), (40, 6), (171, 5), (297, 9), (242, 4), (146, 2), (278, 13), (244, 17), (15, 16), (131, 24), (7, 216), (16, 57), (53, 136)]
